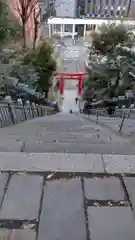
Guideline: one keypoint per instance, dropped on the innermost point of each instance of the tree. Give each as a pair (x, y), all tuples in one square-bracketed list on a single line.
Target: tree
[(25, 9), (37, 21), (24, 74), (9, 33), (109, 37), (41, 59), (109, 76), (9, 27)]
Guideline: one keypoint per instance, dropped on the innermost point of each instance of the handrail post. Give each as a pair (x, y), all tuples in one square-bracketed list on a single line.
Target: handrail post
[(129, 112), (37, 107), (97, 116), (24, 112), (31, 107), (10, 109), (122, 122)]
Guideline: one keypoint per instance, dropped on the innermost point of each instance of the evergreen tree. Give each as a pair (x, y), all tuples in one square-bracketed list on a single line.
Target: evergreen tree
[(9, 26), (44, 64), (110, 75)]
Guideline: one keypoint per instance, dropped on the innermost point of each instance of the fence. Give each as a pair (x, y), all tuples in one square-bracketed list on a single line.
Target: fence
[(122, 121), (13, 114)]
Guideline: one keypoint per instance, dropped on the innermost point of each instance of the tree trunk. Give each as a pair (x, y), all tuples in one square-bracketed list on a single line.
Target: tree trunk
[(35, 38), (34, 43), (24, 35), (46, 93)]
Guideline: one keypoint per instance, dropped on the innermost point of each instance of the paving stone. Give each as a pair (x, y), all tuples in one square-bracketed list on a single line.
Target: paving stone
[(4, 234), (68, 162), (119, 163), (19, 234), (130, 186), (65, 162), (3, 181), (107, 188), (62, 214), (22, 198), (111, 223), (22, 234)]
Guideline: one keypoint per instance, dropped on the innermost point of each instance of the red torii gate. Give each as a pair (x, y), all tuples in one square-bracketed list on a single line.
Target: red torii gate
[(79, 76)]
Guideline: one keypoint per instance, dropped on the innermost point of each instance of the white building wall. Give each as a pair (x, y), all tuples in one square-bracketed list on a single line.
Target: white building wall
[(132, 9), (65, 8)]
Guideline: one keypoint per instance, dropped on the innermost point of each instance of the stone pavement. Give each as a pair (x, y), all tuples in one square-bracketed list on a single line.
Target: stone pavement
[(66, 206), (69, 100), (64, 177), (73, 55)]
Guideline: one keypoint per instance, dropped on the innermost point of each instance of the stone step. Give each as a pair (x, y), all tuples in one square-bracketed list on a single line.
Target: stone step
[(65, 162), (91, 137), (73, 147), (75, 140), (63, 133)]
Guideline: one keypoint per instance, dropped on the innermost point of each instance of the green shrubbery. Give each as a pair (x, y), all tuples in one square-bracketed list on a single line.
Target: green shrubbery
[(109, 76), (42, 61), (32, 66)]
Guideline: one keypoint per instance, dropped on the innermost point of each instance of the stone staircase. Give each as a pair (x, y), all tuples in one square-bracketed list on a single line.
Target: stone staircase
[(52, 182), (63, 133)]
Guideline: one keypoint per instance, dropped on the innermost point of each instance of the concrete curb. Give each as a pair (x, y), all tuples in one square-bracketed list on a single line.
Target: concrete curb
[(65, 162)]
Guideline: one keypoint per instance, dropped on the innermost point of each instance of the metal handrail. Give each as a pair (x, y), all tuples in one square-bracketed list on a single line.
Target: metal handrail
[(123, 114), (15, 113)]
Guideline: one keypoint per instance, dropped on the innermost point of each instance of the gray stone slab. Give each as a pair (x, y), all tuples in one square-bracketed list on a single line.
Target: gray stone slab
[(70, 147), (3, 181), (22, 198), (4, 234), (51, 162), (10, 145), (130, 186), (111, 223), (107, 188), (62, 214), (22, 234), (119, 163), (17, 234)]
